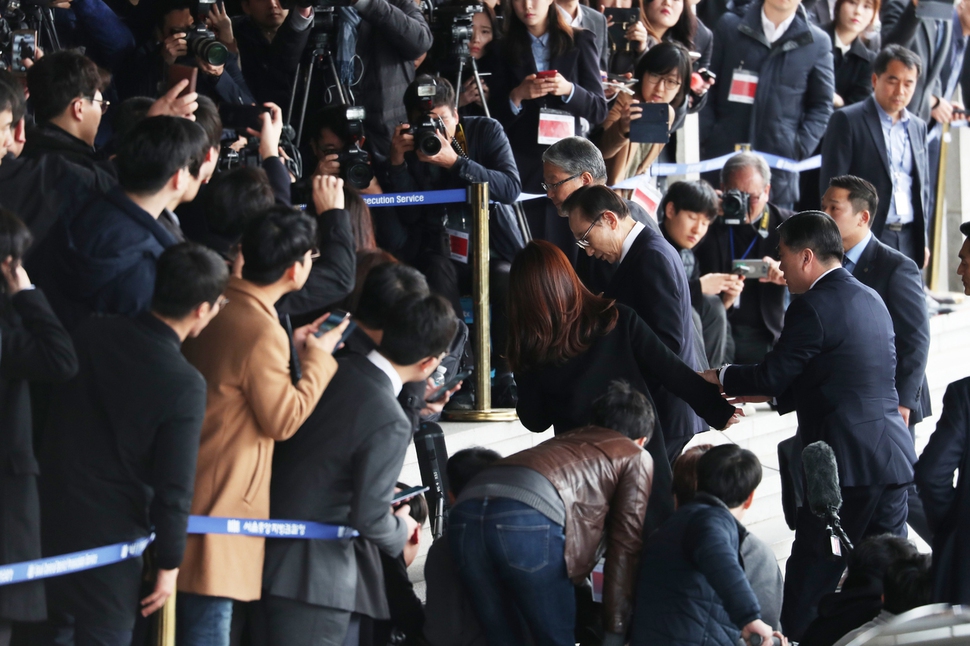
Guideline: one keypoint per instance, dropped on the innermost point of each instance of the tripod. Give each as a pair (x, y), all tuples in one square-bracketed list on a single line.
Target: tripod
[(478, 82)]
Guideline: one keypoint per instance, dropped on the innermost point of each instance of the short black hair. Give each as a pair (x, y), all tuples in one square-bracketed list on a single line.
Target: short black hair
[(384, 286), (333, 118), (697, 197), (899, 53), (871, 558), (593, 200), (129, 114), (663, 58), (812, 230), (862, 194), (418, 505), (15, 237), (232, 199), (168, 6), (729, 473), (908, 584), (207, 116), (155, 149), (273, 241), (187, 275), (418, 327), (12, 96), (60, 77), (466, 464), (625, 410), (444, 93)]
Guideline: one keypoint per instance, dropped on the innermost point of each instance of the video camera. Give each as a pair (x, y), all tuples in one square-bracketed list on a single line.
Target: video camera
[(202, 42), (451, 29), (735, 205), (425, 132)]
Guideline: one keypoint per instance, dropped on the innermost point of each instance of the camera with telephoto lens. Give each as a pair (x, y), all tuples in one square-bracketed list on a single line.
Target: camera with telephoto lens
[(426, 132), (355, 168), (202, 42), (451, 28), (734, 206)]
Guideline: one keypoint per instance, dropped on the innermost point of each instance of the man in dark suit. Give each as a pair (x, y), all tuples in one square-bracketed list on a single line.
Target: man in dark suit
[(880, 141), (851, 201), (585, 17), (341, 468), (835, 366), (120, 450), (650, 279)]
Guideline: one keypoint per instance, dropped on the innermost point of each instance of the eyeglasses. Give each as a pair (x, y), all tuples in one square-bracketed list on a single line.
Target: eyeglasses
[(583, 243), (549, 187), (102, 103), (314, 253), (668, 81), (222, 302)]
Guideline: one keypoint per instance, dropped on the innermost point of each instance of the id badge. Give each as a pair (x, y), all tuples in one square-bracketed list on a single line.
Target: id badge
[(744, 85), (597, 578), (555, 125), (646, 195), (458, 245)]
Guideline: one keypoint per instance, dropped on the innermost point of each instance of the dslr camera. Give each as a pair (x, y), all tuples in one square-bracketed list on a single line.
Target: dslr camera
[(734, 206), (425, 132), (202, 42), (355, 168)]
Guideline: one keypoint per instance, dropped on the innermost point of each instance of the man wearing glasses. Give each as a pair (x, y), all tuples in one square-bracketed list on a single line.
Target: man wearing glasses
[(756, 315)]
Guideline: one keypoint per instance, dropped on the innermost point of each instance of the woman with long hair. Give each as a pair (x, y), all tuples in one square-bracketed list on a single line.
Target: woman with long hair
[(851, 56), (484, 32), (663, 76)]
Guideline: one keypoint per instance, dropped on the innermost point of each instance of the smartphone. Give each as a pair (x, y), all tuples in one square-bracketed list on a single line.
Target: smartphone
[(178, 73), (622, 19), (405, 495), (750, 268), (240, 117), (707, 75), (23, 45), (437, 395), (694, 56), (548, 74), (652, 126), (620, 79), (336, 318)]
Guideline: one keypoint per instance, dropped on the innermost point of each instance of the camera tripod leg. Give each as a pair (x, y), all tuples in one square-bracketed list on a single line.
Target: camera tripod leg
[(481, 90), (308, 78)]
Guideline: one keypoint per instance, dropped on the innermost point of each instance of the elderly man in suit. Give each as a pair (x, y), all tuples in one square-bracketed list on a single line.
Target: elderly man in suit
[(948, 506), (649, 278), (881, 141), (341, 469), (835, 366), (262, 385)]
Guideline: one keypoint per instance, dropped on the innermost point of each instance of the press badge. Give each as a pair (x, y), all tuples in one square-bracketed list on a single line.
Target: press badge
[(555, 125), (646, 195), (458, 245), (744, 85)]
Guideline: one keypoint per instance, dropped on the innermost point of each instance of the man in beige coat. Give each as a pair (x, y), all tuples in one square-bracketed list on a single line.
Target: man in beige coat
[(254, 399)]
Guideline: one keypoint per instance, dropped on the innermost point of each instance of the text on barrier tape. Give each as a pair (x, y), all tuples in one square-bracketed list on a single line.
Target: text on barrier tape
[(268, 528), (450, 196), (73, 562)]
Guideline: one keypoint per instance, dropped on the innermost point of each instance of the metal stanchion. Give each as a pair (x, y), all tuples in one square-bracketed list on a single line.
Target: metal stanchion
[(165, 623), (939, 213), (483, 411)]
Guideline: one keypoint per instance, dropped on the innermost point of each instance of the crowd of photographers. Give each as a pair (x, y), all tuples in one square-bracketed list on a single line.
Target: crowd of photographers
[(183, 232)]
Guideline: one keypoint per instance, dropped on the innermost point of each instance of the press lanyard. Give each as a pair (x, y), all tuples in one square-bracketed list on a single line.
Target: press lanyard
[(763, 226)]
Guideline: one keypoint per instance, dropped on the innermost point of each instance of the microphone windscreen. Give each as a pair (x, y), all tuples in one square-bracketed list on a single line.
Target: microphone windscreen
[(821, 478)]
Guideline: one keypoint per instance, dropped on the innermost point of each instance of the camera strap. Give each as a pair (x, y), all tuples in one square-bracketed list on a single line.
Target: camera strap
[(459, 143)]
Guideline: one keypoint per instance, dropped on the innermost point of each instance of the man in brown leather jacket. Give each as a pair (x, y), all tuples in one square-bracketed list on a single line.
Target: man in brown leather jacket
[(524, 530)]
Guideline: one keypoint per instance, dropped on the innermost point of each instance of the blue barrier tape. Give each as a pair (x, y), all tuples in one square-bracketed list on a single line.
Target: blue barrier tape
[(268, 528), (73, 562)]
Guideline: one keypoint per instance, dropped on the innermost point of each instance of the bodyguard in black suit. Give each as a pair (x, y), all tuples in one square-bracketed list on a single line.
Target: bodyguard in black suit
[(835, 366), (120, 450), (340, 468), (650, 279), (855, 143)]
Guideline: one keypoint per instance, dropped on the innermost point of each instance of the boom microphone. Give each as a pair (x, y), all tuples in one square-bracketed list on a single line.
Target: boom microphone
[(821, 479)]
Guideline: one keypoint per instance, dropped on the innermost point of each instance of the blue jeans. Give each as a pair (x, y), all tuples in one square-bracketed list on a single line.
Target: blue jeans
[(202, 620), (510, 559)]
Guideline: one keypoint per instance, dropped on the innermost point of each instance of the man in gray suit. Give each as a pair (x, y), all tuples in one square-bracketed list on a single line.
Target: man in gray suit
[(341, 469), (579, 15)]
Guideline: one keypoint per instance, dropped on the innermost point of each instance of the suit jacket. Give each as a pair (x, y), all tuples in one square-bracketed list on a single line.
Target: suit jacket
[(244, 355), (898, 282), (853, 70), (853, 144), (946, 505), (340, 469), (119, 460), (652, 282), (595, 22), (579, 65), (34, 347), (928, 38), (835, 366)]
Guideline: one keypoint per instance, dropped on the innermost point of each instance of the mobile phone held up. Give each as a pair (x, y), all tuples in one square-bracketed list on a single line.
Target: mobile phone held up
[(651, 127), (439, 394), (404, 495), (23, 44), (240, 117), (336, 318)]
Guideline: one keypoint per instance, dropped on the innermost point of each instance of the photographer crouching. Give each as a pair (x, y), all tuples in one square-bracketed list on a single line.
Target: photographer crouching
[(437, 150)]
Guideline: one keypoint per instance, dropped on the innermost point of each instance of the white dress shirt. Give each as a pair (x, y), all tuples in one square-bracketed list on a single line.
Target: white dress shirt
[(773, 33), (385, 366), (630, 237)]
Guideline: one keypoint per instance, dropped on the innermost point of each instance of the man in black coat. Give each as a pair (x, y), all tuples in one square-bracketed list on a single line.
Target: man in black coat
[(120, 450), (835, 366), (341, 468), (650, 279), (882, 142), (34, 348), (948, 507), (850, 201), (271, 41)]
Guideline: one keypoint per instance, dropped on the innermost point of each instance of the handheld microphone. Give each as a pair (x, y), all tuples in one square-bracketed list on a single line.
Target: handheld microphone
[(823, 492), (429, 444)]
